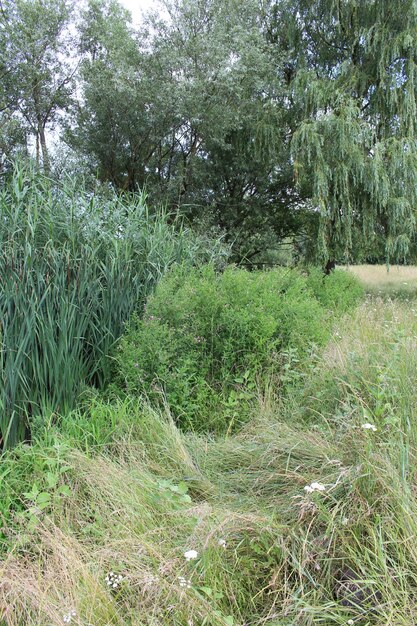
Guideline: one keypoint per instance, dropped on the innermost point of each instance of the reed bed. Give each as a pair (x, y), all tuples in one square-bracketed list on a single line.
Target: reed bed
[(73, 266)]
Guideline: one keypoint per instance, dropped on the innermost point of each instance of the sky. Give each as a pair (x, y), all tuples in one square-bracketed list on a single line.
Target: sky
[(137, 7)]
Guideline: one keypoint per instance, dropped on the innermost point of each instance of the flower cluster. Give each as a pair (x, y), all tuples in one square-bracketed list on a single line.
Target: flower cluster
[(368, 426), (113, 580), (68, 616), (184, 582), (314, 487), (190, 555)]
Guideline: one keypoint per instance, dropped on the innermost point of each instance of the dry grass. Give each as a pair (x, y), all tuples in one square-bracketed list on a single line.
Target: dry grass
[(346, 555), (377, 277)]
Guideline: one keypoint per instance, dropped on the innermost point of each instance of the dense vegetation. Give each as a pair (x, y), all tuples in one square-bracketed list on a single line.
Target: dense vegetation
[(206, 341), (119, 488), (188, 438), (74, 265), (278, 122)]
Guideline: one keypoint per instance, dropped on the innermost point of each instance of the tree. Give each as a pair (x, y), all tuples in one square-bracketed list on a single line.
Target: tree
[(194, 111), (36, 68), (354, 150), (265, 119)]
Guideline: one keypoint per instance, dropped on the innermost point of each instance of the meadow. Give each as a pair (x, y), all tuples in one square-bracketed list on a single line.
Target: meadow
[(200, 426), (303, 512), (195, 444), (386, 280)]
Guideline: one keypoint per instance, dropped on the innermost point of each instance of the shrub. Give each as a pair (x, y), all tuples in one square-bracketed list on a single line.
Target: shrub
[(73, 267), (339, 291), (206, 338)]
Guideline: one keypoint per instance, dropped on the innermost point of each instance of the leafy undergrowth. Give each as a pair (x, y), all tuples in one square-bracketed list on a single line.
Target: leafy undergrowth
[(307, 516), (207, 340)]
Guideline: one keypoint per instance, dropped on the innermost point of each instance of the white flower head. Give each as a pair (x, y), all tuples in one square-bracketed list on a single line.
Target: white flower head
[(350, 622), (314, 487), (113, 580), (369, 426), (222, 543), (184, 582), (190, 555)]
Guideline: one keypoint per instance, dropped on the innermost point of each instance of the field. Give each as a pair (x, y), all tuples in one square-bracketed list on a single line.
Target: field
[(306, 515), (186, 443), (380, 279)]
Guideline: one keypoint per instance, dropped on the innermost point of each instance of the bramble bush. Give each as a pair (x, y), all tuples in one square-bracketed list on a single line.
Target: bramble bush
[(206, 340)]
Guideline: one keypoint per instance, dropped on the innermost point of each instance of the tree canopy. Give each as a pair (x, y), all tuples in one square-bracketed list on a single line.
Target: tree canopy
[(273, 121)]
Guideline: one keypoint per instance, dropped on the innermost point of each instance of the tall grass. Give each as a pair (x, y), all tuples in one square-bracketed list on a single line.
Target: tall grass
[(140, 493), (395, 280), (73, 266)]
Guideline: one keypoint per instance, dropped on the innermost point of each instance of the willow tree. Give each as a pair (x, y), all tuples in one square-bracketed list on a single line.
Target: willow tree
[(352, 75)]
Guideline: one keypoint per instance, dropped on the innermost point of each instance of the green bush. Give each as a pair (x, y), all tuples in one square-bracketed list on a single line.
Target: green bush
[(73, 267), (339, 291), (206, 339)]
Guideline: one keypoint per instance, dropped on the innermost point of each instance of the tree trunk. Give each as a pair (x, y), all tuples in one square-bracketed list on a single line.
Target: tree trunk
[(44, 148), (330, 266), (37, 150)]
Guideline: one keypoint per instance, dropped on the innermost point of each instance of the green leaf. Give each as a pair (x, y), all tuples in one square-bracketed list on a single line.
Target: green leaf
[(207, 590), (43, 497), (32, 495), (182, 488), (51, 479)]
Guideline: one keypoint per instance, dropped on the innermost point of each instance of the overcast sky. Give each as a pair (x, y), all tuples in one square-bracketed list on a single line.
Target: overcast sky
[(137, 7)]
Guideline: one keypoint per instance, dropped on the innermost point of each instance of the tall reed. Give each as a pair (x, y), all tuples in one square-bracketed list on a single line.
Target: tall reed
[(73, 266)]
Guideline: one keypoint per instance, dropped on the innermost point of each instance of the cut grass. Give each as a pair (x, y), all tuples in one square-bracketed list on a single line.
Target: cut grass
[(141, 493), (380, 280)]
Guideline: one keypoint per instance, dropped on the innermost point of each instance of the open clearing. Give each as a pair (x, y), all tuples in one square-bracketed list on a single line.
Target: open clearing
[(377, 278)]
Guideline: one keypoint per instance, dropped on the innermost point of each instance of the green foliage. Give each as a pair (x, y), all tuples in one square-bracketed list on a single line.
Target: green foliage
[(38, 70), (187, 109), (147, 493), (338, 291), (355, 148), (206, 338), (259, 119), (73, 266)]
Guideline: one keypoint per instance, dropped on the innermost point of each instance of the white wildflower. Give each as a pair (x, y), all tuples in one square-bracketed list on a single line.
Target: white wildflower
[(368, 426), (190, 555), (68, 616), (184, 582), (222, 543), (314, 487), (350, 622), (113, 580)]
